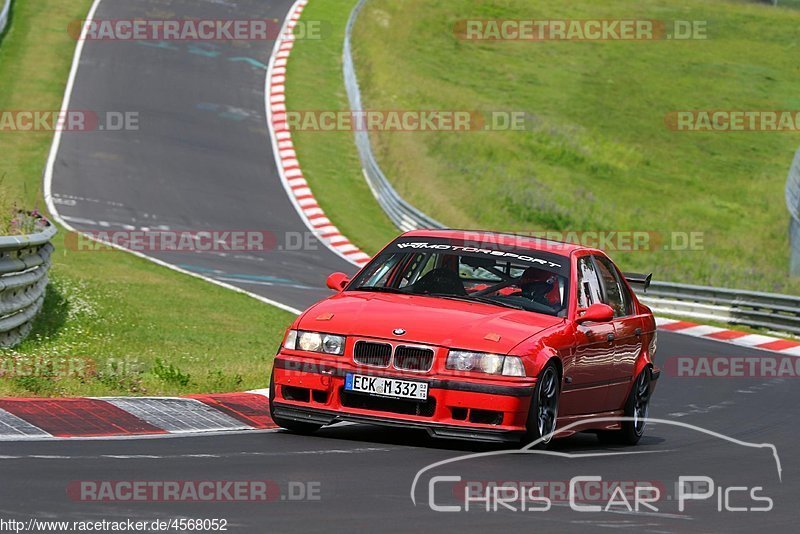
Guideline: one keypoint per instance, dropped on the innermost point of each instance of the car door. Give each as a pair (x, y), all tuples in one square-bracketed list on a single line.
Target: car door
[(627, 331), (587, 375)]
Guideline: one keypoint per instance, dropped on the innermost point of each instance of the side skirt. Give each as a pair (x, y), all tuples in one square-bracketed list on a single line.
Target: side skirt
[(594, 425)]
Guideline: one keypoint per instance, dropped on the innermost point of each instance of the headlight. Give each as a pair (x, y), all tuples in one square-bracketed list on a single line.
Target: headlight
[(315, 342), (310, 341), (493, 364), (332, 344)]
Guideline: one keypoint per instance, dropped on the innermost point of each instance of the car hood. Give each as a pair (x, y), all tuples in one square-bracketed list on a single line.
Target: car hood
[(426, 320)]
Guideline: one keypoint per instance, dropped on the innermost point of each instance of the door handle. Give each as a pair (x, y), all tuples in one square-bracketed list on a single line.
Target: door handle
[(638, 332), (610, 337)]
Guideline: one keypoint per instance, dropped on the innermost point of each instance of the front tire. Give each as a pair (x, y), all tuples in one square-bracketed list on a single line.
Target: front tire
[(298, 427), (543, 413), (637, 408)]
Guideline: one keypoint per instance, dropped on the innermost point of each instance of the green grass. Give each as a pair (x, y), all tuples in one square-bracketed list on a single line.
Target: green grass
[(112, 323), (597, 154), (329, 158)]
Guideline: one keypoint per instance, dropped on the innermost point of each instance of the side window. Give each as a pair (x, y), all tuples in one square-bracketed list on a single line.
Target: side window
[(589, 291), (616, 293), (626, 295)]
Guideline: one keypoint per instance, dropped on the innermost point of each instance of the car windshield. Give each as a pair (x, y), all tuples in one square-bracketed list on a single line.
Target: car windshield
[(518, 278)]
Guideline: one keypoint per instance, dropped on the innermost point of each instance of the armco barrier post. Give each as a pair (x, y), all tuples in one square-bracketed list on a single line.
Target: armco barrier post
[(400, 212), (794, 239), (24, 269), (5, 8), (793, 204)]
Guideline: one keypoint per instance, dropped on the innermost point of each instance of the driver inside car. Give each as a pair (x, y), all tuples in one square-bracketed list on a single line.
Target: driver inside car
[(540, 286)]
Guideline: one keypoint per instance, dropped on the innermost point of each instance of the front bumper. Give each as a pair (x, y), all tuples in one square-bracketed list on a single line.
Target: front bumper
[(313, 391)]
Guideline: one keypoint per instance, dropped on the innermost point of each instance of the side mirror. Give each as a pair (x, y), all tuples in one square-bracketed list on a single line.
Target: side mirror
[(596, 313), (338, 281)]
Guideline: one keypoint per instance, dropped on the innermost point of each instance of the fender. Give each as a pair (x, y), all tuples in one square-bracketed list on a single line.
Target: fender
[(540, 356), (641, 363)]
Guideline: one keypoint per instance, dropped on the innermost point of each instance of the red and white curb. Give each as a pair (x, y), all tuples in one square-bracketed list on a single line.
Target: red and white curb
[(285, 156), (120, 417), (87, 417), (756, 341)]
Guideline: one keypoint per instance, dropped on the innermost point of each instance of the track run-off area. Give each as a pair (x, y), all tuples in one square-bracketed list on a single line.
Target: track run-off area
[(202, 158)]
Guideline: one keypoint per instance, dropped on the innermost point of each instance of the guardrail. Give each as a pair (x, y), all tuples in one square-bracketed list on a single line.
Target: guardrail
[(4, 15), (402, 214), (24, 266), (749, 308), (793, 204), (772, 311)]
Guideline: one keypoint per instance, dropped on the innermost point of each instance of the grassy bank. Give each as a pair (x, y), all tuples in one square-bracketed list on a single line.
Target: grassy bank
[(596, 153), (329, 158), (112, 323)]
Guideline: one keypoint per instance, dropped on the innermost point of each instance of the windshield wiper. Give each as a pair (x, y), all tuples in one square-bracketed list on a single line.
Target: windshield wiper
[(467, 298), (380, 289), (489, 300)]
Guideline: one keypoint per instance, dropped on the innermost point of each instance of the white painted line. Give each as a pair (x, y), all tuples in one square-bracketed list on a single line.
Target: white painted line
[(232, 454), (124, 437), (80, 220), (48, 181), (51, 158)]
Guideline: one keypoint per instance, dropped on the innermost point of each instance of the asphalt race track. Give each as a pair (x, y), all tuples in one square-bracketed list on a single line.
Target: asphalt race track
[(365, 473), (202, 156), (202, 159)]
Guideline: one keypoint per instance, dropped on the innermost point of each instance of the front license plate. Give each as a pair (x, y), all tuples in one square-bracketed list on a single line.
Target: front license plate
[(386, 387)]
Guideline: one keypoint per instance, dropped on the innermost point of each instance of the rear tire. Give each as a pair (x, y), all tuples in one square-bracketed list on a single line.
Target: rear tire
[(543, 413), (636, 408), (298, 427)]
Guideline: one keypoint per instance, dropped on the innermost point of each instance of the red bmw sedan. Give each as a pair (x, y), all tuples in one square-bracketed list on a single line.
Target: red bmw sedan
[(474, 335)]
